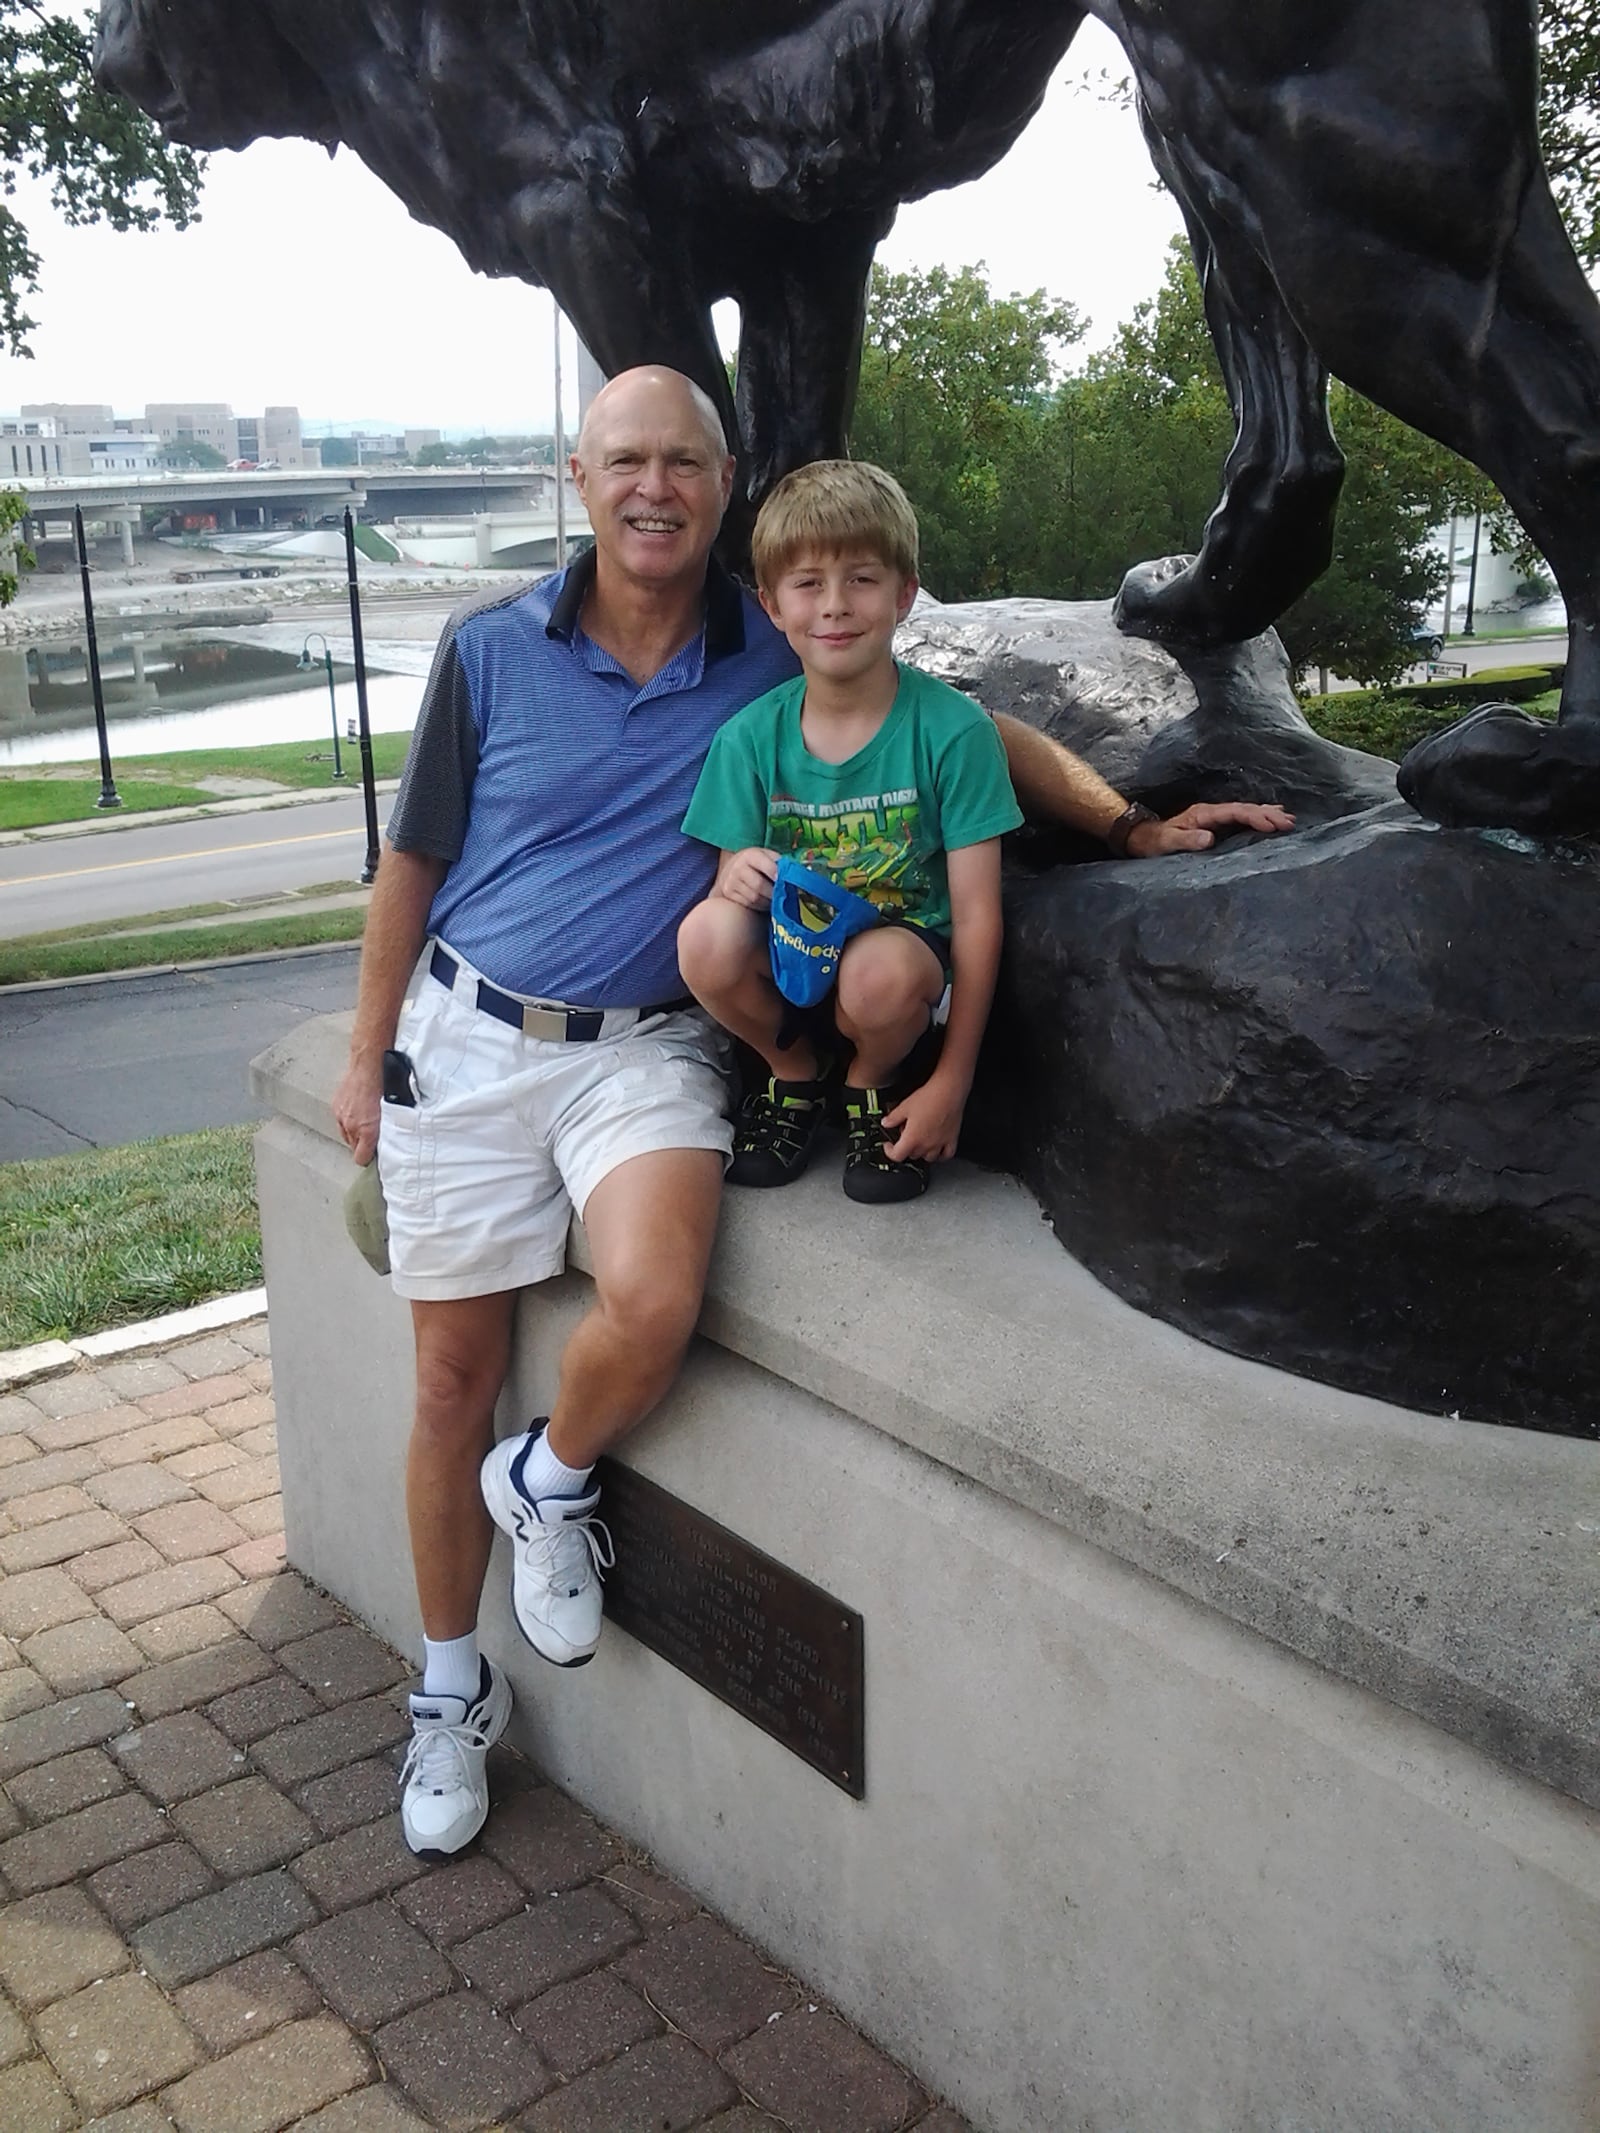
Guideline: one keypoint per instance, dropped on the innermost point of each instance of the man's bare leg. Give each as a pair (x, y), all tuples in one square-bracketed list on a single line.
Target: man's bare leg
[(651, 1224), (463, 1349)]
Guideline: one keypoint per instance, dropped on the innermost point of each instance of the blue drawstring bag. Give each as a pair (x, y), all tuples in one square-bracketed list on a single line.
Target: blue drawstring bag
[(812, 918)]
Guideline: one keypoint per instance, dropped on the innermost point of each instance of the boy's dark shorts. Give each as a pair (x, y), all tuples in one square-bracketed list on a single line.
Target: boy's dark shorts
[(817, 1024)]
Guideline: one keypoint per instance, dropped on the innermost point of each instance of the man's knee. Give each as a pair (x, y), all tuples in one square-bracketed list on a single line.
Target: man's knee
[(654, 1312), (460, 1370)]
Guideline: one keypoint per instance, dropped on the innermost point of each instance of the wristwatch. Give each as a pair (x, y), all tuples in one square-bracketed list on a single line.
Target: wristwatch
[(1126, 823)]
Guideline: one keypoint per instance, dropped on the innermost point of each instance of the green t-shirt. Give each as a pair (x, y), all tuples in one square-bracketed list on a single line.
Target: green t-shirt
[(932, 779)]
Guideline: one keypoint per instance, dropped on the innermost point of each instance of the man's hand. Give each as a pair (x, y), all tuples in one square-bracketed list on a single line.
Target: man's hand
[(1194, 830), (357, 1107), (927, 1124), (747, 877)]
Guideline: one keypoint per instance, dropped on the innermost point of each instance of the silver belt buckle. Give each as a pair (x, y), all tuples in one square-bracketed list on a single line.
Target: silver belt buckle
[(549, 1023)]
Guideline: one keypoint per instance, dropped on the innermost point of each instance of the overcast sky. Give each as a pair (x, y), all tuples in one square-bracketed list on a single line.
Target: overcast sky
[(306, 282)]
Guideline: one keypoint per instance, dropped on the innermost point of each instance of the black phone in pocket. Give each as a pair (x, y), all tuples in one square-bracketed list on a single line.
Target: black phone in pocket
[(399, 1080)]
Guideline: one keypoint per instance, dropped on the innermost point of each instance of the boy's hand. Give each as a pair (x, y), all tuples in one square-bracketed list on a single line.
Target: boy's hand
[(928, 1123), (747, 877)]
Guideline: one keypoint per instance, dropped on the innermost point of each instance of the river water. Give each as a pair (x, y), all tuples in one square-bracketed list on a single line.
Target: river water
[(182, 689)]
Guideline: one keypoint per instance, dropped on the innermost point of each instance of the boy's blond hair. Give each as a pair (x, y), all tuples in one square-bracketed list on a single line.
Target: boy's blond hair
[(827, 507)]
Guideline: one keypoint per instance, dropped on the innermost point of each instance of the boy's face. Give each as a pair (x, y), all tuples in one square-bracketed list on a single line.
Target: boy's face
[(839, 612)]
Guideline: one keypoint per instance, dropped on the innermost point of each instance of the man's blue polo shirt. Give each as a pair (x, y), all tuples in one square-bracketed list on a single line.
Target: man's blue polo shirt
[(554, 786)]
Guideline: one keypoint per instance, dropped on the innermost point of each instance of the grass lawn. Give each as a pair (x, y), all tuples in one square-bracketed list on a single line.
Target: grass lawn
[(121, 1234), (148, 781), (30, 803), (27, 961)]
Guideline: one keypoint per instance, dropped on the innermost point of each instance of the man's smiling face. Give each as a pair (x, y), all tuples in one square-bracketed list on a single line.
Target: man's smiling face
[(655, 475)]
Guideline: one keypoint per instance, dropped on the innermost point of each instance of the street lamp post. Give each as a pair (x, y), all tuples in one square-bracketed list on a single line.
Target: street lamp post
[(369, 789), (109, 795), (304, 662)]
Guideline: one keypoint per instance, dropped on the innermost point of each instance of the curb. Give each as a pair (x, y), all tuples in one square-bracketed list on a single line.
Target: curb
[(171, 970), (49, 1359)]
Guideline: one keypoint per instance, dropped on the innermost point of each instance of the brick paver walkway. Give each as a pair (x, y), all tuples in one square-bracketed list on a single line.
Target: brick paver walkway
[(208, 1919)]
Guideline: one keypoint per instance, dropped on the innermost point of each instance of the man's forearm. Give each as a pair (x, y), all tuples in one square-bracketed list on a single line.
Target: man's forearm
[(1054, 785), (397, 926)]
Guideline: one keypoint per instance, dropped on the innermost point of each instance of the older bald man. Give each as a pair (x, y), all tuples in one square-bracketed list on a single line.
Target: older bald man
[(549, 1059)]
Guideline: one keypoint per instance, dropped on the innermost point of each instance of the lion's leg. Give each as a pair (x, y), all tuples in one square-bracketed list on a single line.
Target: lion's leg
[(803, 310), (1271, 534), (632, 299)]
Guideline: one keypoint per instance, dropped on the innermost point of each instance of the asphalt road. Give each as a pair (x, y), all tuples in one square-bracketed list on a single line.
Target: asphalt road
[(96, 1065), (125, 872)]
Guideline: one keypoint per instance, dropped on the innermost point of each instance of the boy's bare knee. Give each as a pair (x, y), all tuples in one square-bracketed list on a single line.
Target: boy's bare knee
[(715, 944)]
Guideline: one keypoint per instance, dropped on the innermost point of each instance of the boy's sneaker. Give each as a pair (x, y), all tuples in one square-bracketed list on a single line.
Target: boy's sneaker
[(871, 1174), (775, 1129), (559, 1549), (445, 1796)]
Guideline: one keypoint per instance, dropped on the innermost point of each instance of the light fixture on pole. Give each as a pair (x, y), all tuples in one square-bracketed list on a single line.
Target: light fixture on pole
[(304, 662), (560, 442), (109, 795), (369, 790)]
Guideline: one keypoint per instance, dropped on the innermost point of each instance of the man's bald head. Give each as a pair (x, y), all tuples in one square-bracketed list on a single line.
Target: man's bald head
[(650, 392)]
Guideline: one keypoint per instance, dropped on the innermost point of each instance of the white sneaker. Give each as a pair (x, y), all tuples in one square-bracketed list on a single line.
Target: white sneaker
[(559, 1549), (445, 1801)]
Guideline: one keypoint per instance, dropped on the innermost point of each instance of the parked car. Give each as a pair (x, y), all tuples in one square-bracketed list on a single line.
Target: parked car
[(1429, 643)]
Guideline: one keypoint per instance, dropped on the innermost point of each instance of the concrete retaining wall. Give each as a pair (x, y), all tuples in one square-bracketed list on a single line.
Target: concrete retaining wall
[(1232, 1744)]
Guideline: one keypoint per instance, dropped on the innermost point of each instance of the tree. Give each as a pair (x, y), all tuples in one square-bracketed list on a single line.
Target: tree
[(1569, 55), (435, 455), (13, 556), (952, 381), (105, 161), (192, 452)]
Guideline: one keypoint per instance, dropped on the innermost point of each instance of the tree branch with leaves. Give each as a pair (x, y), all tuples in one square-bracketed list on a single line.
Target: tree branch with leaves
[(103, 160)]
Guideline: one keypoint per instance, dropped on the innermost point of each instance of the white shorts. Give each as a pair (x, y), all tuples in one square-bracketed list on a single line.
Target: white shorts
[(510, 1133)]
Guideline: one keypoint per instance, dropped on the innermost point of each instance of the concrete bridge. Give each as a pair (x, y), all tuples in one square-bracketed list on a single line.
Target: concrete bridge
[(272, 498)]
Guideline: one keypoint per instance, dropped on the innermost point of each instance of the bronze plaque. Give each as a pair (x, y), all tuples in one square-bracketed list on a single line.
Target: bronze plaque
[(771, 1645)]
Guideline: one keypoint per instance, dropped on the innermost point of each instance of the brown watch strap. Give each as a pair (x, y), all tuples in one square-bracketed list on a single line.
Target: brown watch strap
[(1126, 823)]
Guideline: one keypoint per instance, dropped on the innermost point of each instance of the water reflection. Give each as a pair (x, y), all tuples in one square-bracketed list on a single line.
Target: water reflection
[(176, 691)]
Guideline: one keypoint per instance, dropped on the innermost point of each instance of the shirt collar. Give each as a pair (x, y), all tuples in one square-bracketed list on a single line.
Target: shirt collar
[(724, 623)]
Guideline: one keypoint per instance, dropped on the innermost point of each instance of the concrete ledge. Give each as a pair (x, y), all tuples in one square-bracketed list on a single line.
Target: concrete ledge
[(1452, 1569), (1152, 1836)]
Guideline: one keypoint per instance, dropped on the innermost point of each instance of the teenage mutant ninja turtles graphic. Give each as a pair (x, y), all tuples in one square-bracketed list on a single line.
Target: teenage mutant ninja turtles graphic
[(868, 846)]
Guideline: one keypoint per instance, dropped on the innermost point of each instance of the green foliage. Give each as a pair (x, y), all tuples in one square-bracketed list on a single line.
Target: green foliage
[(1026, 481), (1387, 724), (119, 1234), (952, 382), (1569, 55), (104, 160), (479, 450), (192, 452), (338, 451), (435, 455), (14, 556)]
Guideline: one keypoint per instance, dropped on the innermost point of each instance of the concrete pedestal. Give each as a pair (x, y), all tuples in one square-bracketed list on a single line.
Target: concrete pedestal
[(1233, 1744)]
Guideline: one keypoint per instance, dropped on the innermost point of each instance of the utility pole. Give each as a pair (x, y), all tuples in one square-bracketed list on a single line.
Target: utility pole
[(561, 455), (1472, 576), (1449, 580)]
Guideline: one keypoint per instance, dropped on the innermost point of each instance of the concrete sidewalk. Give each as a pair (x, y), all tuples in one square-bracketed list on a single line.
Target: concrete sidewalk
[(208, 1919)]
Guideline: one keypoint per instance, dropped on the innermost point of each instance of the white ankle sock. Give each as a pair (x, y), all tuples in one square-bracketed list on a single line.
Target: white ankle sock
[(450, 1666), (543, 1474)]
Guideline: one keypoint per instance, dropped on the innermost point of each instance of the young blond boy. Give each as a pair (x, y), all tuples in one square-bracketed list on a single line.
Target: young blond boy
[(884, 780)]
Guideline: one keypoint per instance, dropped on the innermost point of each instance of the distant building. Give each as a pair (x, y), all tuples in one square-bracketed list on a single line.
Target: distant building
[(72, 418), (281, 441), (35, 445), (418, 440), (209, 422), (31, 444)]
